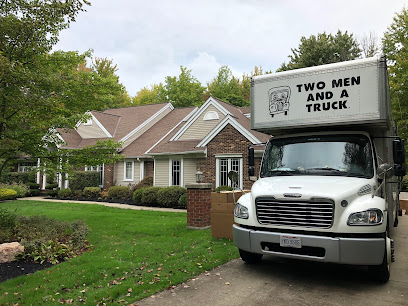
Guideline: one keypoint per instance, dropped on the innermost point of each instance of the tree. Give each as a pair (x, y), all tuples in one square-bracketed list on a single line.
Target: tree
[(395, 48), (226, 87), (153, 95), (369, 44), (323, 49), (39, 91), (184, 90)]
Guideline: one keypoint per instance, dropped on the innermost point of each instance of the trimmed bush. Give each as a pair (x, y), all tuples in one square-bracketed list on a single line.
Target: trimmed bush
[(65, 193), (169, 196), (223, 188), (51, 186), (182, 202), (104, 195), (32, 176), (91, 192), (78, 193), (21, 189), (137, 196), (33, 185), (35, 192), (119, 193), (52, 193), (7, 194), (82, 179), (16, 177), (149, 197), (146, 182)]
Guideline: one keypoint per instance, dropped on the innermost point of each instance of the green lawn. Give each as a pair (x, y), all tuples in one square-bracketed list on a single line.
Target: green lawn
[(134, 254)]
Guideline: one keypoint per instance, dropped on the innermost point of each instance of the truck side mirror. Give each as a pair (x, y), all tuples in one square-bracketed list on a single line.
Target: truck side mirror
[(385, 171), (251, 157), (400, 170), (398, 151)]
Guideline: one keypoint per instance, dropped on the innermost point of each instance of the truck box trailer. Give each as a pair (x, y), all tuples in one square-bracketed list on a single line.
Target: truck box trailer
[(328, 188)]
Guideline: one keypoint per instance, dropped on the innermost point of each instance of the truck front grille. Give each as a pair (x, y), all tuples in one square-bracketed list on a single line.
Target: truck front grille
[(314, 213)]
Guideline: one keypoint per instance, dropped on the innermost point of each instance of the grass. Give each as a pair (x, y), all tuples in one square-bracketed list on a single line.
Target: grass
[(134, 254)]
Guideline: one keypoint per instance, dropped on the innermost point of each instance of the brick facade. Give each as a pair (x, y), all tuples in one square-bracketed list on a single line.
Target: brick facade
[(198, 206), (148, 168), (108, 176), (229, 140)]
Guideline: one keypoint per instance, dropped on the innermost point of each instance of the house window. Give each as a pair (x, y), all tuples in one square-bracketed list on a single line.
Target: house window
[(99, 169), (211, 115), (26, 166), (176, 172), (129, 170), (224, 166), (88, 122)]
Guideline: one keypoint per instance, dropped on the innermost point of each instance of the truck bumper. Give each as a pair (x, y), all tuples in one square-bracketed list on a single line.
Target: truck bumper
[(354, 251)]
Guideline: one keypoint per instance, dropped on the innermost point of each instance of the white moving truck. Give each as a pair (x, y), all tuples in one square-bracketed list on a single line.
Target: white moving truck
[(328, 188)]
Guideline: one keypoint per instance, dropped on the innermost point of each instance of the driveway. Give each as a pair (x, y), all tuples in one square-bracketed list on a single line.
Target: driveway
[(289, 282)]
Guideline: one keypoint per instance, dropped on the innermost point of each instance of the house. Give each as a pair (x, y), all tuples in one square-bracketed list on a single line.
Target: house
[(170, 144)]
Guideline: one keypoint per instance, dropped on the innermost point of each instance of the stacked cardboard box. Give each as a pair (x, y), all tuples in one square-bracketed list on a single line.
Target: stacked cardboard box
[(222, 213)]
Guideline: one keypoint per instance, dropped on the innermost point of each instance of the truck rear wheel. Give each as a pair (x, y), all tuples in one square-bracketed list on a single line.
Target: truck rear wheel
[(250, 258)]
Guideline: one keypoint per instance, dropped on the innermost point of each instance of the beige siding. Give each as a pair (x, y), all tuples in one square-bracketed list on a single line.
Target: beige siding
[(90, 131), (200, 127), (161, 172), (145, 128), (189, 171), (119, 175)]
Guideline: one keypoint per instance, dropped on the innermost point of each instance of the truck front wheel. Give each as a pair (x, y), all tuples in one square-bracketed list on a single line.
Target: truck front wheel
[(382, 272), (250, 258)]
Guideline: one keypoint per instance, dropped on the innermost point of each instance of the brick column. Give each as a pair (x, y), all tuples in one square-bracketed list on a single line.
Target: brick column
[(199, 205)]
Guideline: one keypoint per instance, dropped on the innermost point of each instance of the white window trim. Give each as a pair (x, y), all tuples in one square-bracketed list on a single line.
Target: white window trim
[(141, 172), (217, 167), (211, 115), (125, 179), (171, 171)]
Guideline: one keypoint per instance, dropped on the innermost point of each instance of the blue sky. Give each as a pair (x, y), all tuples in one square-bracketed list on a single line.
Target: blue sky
[(149, 40)]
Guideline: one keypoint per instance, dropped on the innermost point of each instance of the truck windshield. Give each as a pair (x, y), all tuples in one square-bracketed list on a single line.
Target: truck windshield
[(340, 155)]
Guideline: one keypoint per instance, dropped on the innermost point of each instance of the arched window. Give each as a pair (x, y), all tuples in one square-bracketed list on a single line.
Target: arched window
[(211, 115)]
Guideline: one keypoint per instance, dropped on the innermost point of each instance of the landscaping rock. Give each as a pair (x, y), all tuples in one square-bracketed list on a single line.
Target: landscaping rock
[(9, 250)]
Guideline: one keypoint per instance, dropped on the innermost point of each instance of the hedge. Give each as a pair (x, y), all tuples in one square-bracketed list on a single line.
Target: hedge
[(33, 185), (16, 177), (35, 192), (169, 196), (223, 188), (182, 202), (119, 192), (65, 193), (137, 196), (149, 197), (82, 179), (91, 192), (21, 189), (7, 194), (51, 186)]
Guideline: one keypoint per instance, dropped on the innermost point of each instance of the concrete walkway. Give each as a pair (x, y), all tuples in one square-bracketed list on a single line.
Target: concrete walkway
[(115, 205)]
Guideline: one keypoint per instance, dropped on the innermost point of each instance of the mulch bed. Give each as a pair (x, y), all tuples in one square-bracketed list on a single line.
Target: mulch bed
[(13, 269)]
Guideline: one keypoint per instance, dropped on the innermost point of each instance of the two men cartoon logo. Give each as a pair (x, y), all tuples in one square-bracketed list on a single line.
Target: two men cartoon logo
[(279, 100)]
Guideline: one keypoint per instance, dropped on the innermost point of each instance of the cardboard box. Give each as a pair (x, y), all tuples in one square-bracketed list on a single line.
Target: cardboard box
[(221, 224), (404, 204), (225, 196), (225, 207)]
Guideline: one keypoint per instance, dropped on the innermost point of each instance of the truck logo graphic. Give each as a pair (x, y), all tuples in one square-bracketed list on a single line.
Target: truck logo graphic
[(279, 100)]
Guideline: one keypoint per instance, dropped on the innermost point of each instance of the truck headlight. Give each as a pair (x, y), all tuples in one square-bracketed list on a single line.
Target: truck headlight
[(241, 211), (368, 217)]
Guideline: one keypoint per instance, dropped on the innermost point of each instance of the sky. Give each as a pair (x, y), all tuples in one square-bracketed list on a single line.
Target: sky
[(149, 40)]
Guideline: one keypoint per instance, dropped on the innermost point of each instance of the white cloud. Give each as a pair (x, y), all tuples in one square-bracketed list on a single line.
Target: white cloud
[(204, 67)]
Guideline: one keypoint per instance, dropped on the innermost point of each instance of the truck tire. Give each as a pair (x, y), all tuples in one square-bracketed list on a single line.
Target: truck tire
[(381, 272), (250, 258)]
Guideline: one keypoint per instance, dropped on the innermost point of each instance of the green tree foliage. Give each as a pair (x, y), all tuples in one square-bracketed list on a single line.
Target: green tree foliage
[(39, 90), (395, 48), (323, 49), (153, 95), (184, 90)]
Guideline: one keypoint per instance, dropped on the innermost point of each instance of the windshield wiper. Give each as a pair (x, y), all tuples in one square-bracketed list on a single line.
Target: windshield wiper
[(281, 171), (325, 169)]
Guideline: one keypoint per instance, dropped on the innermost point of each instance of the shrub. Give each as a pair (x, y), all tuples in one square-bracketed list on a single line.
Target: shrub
[(146, 182), (51, 186), (91, 192), (65, 193), (7, 224), (104, 195), (33, 185), (78, 193), (169, 196), (52, 193), (21, 189), (404, 184), (16, 177), (35, 192), (119, 192), (50, 178), (137, 196), (32, 176), (149, 197), (7, 194), (81, 179), (182, 202), (223, 188)]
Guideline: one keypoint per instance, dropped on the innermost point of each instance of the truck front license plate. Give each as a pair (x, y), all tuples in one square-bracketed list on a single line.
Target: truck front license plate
[(290, 241)]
